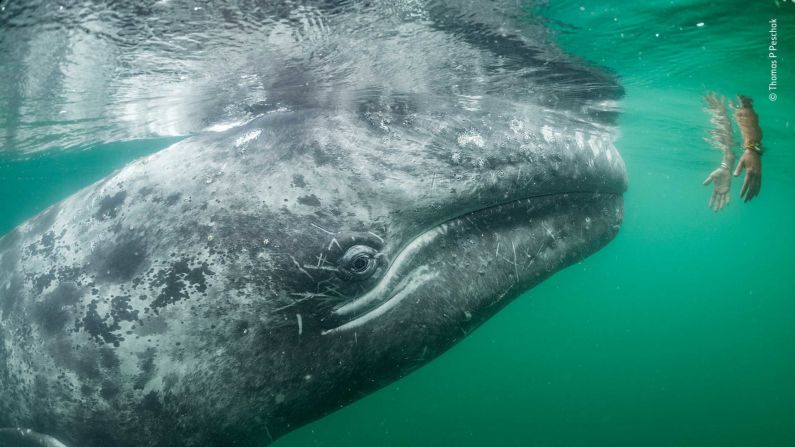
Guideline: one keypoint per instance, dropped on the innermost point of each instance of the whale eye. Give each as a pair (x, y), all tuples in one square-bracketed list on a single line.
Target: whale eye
[(359, 262)]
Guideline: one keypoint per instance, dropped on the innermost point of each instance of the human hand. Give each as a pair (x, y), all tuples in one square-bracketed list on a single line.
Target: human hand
[(714, 101), (743, 102), (720, 192), (751, 161)]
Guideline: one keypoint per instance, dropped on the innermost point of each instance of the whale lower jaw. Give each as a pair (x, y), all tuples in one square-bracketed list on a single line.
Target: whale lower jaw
[(549, 232)]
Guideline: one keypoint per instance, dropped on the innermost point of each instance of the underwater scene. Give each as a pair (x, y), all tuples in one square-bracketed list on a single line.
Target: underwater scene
[(397, 223)]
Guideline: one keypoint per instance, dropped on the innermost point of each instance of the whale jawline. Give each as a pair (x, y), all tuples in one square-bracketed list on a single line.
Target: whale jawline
[(398, 284)]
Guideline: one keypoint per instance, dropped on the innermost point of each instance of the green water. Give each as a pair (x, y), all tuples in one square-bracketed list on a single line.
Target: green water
[(681, 332)]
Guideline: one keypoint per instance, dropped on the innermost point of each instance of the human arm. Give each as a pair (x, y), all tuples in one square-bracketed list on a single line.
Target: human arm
[(751, 159), (721, 137)]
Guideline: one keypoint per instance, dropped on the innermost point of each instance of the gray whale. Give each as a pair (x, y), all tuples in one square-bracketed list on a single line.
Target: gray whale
[(394, 176)]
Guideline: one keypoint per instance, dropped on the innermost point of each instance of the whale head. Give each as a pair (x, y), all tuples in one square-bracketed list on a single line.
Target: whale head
[(410, 224)]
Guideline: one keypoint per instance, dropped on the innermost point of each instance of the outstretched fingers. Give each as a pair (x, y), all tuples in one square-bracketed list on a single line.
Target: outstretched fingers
[(713, 100), (718, 201), (724, 200), (753, 189), (745, 188)]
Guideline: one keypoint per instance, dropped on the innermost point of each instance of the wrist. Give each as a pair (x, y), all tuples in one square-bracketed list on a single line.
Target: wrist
[(754, 147)]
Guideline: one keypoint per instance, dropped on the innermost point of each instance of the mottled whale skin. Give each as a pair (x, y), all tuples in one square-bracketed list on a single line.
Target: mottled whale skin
[(420, 173)]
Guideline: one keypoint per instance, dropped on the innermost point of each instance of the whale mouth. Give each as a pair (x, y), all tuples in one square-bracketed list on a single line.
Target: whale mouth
[(518, 244)]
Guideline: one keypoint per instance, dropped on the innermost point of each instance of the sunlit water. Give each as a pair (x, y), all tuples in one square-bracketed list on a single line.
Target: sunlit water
[(680, 332)]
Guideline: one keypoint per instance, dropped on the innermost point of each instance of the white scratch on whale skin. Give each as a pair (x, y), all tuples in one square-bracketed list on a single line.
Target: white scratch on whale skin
[(300, 323), (248, 136), (321, 229), (333, 241), (301, 268)]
